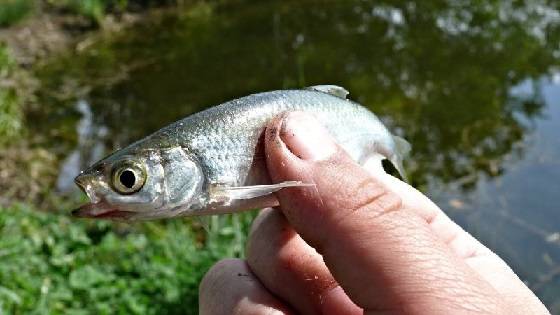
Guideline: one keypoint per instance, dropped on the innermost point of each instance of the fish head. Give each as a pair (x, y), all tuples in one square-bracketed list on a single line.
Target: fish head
[(135, 184)]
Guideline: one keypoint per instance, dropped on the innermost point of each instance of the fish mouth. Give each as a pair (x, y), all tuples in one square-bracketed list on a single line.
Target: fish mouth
[(101, 210)]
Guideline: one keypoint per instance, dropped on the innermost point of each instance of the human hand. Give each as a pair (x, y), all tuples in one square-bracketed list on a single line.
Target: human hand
[(358, 242)]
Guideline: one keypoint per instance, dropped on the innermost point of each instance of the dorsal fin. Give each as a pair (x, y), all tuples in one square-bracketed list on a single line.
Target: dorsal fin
[(334, 90)]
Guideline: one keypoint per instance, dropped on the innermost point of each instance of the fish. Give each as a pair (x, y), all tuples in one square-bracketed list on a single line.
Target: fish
[(213, 162)]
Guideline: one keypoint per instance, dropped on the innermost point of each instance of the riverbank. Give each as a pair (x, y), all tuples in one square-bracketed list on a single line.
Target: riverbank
[(30, 36), (51, 29), (50, 262)]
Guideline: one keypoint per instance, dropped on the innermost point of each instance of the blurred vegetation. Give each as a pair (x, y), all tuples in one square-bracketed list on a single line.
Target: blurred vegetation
[(95, 10), (53, 264), (13, 11), (10, 105), (92, 9)]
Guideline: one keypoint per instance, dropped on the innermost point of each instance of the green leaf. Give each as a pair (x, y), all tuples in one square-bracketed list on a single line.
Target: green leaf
[(86, 277), (14, 297)]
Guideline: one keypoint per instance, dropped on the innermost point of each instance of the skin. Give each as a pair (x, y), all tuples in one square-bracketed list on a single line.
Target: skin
[(358, 242)]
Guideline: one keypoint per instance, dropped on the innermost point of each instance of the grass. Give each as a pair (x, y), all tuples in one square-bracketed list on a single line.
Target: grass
[(10, 107), (53, 264)]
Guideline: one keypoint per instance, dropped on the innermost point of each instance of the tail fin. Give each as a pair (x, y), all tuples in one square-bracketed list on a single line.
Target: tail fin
[(402, 149)]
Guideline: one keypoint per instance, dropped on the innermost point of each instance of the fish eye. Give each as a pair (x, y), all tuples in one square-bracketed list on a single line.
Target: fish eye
[(128, 178)]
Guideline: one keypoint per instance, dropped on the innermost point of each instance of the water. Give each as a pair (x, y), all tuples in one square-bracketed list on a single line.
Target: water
[(473, 87)]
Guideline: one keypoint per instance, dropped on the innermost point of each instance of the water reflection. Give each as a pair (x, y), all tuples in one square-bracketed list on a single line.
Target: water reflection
[(446, 75), (439, 73), (517, 213), (89, 149)]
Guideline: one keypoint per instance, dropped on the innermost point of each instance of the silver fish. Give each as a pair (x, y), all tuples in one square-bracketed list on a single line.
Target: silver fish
[(212, 162)]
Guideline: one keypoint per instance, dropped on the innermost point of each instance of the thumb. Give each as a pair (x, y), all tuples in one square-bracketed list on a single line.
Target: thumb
[(382, 254)]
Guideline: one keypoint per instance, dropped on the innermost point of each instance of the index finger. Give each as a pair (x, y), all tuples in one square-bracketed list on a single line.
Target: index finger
[(383, 254)]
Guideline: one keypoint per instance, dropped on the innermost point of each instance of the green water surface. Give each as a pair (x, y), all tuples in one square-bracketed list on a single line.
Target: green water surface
[(474, 86)]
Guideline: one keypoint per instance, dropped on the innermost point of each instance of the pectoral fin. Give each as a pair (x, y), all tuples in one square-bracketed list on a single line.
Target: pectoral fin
[(225, 194)]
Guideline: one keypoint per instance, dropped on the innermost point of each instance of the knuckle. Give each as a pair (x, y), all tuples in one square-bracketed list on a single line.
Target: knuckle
[(376, 199), (352, 194)]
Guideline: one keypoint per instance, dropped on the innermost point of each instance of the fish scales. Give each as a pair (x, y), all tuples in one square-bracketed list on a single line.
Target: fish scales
[(225, 137), (213, 159)]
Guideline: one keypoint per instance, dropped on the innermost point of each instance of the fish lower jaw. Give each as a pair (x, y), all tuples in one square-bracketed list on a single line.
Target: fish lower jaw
[(101, 210)]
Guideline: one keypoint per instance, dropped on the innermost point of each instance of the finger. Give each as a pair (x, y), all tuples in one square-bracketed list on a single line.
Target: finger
[(383, 254), (230, 287), (293, 270), (482, 260), (459, 241)]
